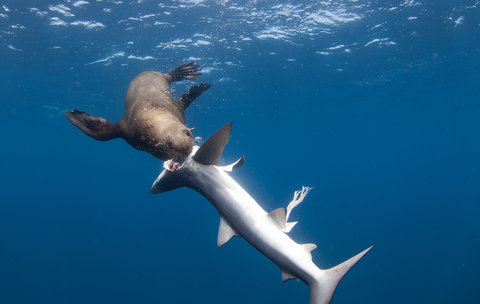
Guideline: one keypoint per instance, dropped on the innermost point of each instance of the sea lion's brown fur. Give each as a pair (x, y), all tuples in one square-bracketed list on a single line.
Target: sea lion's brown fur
[(154, 121)]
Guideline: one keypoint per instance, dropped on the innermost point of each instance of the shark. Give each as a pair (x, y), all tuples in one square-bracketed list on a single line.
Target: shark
[(241, 215)]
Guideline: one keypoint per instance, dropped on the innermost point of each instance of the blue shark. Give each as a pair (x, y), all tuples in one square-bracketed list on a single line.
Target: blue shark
[(241, 215)]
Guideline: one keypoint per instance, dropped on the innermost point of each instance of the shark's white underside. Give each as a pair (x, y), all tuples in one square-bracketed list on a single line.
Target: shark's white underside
[(241, 215)]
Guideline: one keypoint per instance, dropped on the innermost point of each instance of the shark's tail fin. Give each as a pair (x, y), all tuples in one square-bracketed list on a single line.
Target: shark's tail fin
[(322, 290)]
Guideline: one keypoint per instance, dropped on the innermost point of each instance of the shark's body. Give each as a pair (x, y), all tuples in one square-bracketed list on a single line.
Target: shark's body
[(241, 215)]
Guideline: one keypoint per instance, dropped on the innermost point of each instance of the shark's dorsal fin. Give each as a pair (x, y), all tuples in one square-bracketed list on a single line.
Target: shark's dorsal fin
[(278, 215), (225, 233), (287, 276), (210, 152)]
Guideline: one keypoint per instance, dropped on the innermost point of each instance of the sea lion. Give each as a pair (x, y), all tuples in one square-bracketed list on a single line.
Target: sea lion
[(154, 121)]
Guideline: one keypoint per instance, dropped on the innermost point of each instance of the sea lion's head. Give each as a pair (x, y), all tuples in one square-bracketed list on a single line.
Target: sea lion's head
[(174, 141)]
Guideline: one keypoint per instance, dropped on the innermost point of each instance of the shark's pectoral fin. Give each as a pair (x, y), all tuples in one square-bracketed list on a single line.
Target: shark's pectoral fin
[(309, 248), (225, 233), (210, 152), (235, 165), (287, 276)]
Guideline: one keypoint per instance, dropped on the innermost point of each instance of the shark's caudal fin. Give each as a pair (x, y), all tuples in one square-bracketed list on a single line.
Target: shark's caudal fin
[(322, 290)]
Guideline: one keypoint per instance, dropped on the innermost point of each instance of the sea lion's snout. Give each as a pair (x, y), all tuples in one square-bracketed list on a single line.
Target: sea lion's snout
[(180, 145), (179, 154), (180, 157)]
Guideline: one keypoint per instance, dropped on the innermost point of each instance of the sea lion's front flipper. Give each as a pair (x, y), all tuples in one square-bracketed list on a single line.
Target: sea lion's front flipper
[(96, 127), (188, 97), (187, 70)]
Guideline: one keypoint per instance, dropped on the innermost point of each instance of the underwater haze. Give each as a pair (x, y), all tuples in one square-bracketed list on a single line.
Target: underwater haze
[(374, 104)]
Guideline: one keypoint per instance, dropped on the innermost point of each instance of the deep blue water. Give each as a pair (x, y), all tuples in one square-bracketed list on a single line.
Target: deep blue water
[(373, 103)]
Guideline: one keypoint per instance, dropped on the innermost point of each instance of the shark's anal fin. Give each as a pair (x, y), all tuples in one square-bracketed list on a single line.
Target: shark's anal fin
[(210, 152), (309, 247), (225, 233), (287, 276)]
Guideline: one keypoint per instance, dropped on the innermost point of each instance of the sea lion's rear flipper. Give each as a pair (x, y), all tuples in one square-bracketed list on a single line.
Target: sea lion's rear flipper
[(188, 97), (187, 70), (96, 127)]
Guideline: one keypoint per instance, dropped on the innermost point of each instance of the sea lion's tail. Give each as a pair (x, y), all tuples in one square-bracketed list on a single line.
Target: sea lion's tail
[(96, 127)]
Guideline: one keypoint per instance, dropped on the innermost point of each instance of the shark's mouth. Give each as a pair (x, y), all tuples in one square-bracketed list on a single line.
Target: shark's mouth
[(171, 165)]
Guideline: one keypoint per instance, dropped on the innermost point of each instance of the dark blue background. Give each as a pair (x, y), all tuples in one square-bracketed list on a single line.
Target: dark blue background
[(387, 134)]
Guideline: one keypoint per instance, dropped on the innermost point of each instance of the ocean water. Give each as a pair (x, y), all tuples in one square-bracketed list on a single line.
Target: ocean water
[(373, 103)]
